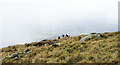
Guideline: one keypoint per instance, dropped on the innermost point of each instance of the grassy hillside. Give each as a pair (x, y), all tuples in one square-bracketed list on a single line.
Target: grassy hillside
[(94, 50)]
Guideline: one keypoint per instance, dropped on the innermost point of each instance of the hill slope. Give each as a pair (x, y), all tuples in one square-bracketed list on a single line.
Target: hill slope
[(96, 49)]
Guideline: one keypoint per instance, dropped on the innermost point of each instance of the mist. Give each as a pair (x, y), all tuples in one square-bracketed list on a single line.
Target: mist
[(33, 20)]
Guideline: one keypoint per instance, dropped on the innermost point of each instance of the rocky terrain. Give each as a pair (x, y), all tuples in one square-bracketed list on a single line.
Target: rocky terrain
[(91, 48)]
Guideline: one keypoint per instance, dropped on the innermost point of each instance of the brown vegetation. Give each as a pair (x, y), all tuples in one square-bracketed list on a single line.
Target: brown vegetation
[(103, 49)]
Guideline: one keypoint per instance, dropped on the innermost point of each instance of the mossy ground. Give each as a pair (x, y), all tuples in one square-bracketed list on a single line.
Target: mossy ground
[(95, 50)]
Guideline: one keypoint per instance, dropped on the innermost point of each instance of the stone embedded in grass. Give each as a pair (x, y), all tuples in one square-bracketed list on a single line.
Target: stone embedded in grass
[(4, 58), (26, 51), (56, 44), (97, 35), (46, 44), (85, 38), (15, 55), (19, 56), (90, 36), (82, 44), (96, 49)]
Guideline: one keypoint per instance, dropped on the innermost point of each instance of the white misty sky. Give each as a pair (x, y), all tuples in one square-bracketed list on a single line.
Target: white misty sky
[(22, 19)]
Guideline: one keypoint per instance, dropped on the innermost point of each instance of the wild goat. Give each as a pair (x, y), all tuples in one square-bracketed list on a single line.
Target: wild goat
[(58, 37), (65, 36)]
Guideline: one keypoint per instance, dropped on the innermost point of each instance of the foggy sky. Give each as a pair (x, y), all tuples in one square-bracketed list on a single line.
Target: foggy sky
[(25, 20)]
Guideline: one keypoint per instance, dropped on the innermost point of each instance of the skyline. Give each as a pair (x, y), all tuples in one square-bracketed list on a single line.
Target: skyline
[(26, 19)]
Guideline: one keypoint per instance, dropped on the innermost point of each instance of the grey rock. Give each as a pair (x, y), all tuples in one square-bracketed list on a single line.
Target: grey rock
[(14, 55), (58, 44), (90, 36), (26, 50), (46, 44), (1, 58), (19, 56), (97, 35), (81, 45), (85, 38)]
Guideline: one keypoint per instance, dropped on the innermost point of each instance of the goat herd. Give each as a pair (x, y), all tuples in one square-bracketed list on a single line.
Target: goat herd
[(64, 36)]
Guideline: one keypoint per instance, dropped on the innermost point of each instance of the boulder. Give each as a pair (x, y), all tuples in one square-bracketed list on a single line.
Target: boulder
[(46, 44), (90, 36), (58, 44), (85, 38), (97, 35), (19, 56), (81, 45), (15, 55), (26, 51)]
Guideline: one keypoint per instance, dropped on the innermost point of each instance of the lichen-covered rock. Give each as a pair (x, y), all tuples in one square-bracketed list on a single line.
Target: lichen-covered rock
[(97, 35), (46, 44), (15, 55), (26, 51), (58, 44), (90, 36), (19, 56), (85, 38)]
